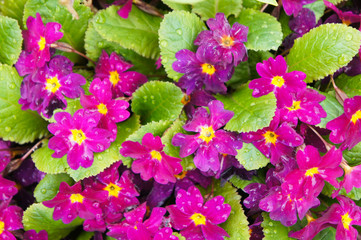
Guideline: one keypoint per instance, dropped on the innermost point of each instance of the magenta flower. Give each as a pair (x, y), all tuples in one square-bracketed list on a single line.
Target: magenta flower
[(346, 128), (78, 137), (7, 189), (313, 227), (38, 38), (125, 9), (209, 142), (352, 178), (113, 68), (32, 235), (274, 78), (133, 227), (196, 219), (111, 111), (225, 39), (10, 220), (165, 234), (294, 6), (150, 159), (5, 155), (347, 17), (202, 68)]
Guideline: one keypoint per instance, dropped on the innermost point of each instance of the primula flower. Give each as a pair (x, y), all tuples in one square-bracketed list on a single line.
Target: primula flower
[(37, 38), (294, 6), (351, 179), (225, 39), (347, 17), (202, 68), (346, 128), (196, 219), (7, 189), (313, 227), (10, 220), (150, 159), (274, 78), (165, 234), (111, 111), (5, 155), (125, 9), (196, 98), (32, 235), (113, 68), (78, 137), (209, 142)]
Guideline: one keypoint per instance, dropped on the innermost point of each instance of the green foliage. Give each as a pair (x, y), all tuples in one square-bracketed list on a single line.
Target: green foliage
[(332, 107), (17, 125), (271, 2), (255, 4), (177, 31), (250, 114), (48, 187), (251, 158), (211, 7), (13, 9), (324, 50), (39, 217), (326, 234), (265, 32), (156, 101), (242, 183), (284, 19), (353, 156), (354, 194), (142, 26), (85, 236), (177, 6), (274, 229), (350, 85), (10, 40), (185, 1)]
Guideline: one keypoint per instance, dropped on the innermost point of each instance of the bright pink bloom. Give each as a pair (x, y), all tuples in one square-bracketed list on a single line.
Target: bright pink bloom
[(294, 6), (347, 17), (7, 189), (32, 235), (10, 220), (165, 234)]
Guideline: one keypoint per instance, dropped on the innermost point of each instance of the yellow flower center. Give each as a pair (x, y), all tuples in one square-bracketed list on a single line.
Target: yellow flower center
[(76, 197), (2, 227), (356, 116), (207, 134), (295, 106), (113, 190), (208, 68), (52, 84), (181, 175), (198, 219), (346, 221), (78, 135), (102, 108), (186, 99), (270, 137), (41, 43), (278, 81), (114, 77), (227, 41), (312, 171), (346, 22), (156, 155)]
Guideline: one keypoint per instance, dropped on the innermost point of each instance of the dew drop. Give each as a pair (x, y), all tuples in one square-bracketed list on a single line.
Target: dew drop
[(342, 59), (179, 31), (11, 85), (348, 37), (164, 43), (7, 129), (43, 190), (100, 19)]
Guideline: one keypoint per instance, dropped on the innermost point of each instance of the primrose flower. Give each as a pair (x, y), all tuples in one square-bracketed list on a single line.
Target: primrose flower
[(209, 142), (10, 220), (5, 156), (78, 137), (150, 159), (294, 6), (313, 227), (274, 78), (38, 38), (352, 178), (196, 219), (113, 68), (125, 9), (225, 39), (347, 17), (346, 128), (7, 189), (165, 234), (33, 235)]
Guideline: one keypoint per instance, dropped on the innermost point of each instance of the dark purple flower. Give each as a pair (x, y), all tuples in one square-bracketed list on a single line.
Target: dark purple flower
[(113, 68), (347, 17), (10, 220), (78, 137), (294, 6), (32, 235), (27, 173), (225, 39), (5, 154), (197, 98), (196, 219)]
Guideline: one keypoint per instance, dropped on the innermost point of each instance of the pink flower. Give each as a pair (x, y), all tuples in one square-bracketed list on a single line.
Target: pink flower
[(10, 220)]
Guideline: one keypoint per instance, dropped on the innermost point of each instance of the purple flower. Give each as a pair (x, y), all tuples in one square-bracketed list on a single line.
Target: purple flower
[(346, 128), (165, 234), (111, 111), (196, 219), (125, 9), (113, 68), (150, 159), (312, 228), (352, 178), (346, 17), (294, 6), (78, 137), (10, 220), (7, 189), (5, 154), (38, 38), (196, 98), (32, 235), (209, 142), (202, 68), (225, 39)]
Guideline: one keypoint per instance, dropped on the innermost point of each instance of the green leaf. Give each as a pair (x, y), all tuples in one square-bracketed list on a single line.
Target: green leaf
[(324, 50), (53, 11), (317, 7), (250, 114), (48, 187), (252, 4), (353, 156), (265, 32), (271, 2), (17, 125), (274, 229), (211, 7), (332, 107), (85, 235), (186, 1), (39, 217), (10, 40), (142, 26), (326, 234), (335, 2), (156, 101), (251, 158), (354, 194), (177, 31), (180, 237), (350, 85), (13, 9), (177, 6), (284, 20), (242, 183)]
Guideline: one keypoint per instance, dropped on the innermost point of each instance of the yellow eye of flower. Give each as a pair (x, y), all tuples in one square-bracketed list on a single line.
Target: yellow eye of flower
[(2, 227), (52, 84), (278, 81), (208, 69), (78, 136), (312, 171), (198, 219), (156, 155), (356, 116), (113, 190), (346, 221), (41, 43), (227, 41), (114, 77), (270, 137), (102, 108), (207, 134), (76, 197), (295, 106)]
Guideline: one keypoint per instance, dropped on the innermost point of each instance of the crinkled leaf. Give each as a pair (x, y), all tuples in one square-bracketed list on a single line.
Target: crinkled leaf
[(177, 31), (324, 50), (252, 4), (265, 32), (39, 217), (85, 236), (142, 26), (208, 9), (317, 7), (354, 194), (156, 101), (242, 183), (177, 6), (353, 156), (284, 20), (332, 107), (180, 237), (48, 187), (13, 9), (350, 85), (250, 114), (271, 2), (251, 158), (10, 40), (53, 11), (326, 234), (17, 125), (274, 229)]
